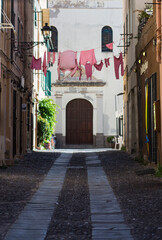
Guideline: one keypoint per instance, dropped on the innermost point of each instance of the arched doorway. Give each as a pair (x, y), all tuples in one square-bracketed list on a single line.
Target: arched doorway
[(79, 122)]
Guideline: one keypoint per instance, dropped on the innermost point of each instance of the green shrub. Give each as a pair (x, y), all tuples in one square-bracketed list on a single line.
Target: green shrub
[(159, 172), (123, 148), (46, 119), (43, 129)]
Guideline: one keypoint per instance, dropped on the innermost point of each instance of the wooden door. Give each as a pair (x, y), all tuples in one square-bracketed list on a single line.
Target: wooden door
[(79, 122)]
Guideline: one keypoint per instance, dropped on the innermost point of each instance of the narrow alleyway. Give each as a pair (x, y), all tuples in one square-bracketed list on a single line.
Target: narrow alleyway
[(79, 195)]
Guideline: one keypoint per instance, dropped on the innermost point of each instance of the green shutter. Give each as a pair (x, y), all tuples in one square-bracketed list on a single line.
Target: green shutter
[(48, 84), (35, 16), (2, 7)]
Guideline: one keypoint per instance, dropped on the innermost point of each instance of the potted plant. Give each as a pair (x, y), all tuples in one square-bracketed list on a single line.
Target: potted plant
[(111, 141), (47, 144)]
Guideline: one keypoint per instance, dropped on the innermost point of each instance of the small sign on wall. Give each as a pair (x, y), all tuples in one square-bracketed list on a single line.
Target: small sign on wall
[(23, 107)]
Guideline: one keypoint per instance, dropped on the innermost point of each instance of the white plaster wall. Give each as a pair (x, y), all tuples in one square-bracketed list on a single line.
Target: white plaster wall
[(80, 29), (133, 10)]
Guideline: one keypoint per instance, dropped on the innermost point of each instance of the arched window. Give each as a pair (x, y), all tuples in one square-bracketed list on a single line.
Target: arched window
[(107, 37), (54, 38)]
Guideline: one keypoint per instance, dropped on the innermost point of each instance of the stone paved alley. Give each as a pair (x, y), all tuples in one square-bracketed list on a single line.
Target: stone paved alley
[(77, 194)]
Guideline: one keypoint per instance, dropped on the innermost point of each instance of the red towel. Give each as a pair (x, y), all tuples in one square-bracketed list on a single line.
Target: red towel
[(45, 65), (36, 63)]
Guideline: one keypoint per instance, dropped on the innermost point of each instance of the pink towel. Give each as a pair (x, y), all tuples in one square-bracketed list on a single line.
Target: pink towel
[(87, 56), (36, 63), (45, 65), (110, 46), (67, 61)]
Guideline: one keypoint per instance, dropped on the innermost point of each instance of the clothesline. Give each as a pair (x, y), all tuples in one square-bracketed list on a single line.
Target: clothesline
[(67, 60), (91, 48)]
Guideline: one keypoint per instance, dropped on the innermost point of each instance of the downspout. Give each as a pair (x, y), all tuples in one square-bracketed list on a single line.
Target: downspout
[(158, 23)]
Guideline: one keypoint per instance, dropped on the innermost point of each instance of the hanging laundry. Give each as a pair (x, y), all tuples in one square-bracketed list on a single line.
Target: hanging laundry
[(51, 57), (87, 56), (99, 66), (117, 62), (36, 63), (67, 61), (88, 70), (107, 63), (110, 46), (45, 65)]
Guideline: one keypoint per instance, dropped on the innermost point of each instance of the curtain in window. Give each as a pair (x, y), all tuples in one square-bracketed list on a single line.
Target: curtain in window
[(107, 37)]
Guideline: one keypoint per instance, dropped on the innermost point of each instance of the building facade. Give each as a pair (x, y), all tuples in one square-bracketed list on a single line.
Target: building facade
[(16, 29), (148, 92), (131, 10), (142, 128), (159, 60), (39, 91), (87, 106)]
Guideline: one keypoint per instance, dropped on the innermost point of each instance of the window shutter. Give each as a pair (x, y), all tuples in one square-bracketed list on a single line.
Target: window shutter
[(48, 84)]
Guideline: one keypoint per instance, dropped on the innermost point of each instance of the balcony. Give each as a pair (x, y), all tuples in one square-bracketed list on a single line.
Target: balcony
[(141, 25)]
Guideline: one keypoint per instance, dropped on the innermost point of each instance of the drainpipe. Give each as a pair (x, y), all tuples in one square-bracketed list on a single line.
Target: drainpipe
[(158, 22)]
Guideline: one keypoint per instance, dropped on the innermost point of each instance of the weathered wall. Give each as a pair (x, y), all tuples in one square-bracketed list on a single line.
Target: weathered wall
[(146, 45)]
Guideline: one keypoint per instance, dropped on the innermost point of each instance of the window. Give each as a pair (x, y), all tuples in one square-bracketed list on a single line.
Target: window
[(1, 8), (119, 126), (54, 39), (35, 17), (12, 33), (18, 31), (130, 15), (107, 37)]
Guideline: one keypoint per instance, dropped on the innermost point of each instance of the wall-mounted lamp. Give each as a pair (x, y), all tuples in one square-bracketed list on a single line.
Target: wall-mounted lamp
[(46, 31), (144, 54), (135, 70), (139, 61)]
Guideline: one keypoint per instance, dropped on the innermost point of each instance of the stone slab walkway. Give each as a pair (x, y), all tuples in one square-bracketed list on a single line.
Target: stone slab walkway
[(106, 216), (34, 220)]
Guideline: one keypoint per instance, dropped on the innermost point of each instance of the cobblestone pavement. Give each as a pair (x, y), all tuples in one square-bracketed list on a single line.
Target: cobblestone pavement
[(87, 194)]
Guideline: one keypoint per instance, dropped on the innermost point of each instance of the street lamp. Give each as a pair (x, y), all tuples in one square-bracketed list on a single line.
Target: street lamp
[(46, 31)]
